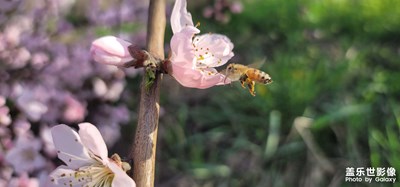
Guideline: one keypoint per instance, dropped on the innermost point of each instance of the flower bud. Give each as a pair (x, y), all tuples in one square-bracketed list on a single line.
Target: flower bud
[(110, 50)]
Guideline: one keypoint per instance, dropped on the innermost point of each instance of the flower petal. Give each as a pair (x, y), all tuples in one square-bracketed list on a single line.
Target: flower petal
[(120, 177), (92, 140), (212, 50), (198, 78), (180, 17), (182, 47), (69, 147), (64, 176), (111, 50)]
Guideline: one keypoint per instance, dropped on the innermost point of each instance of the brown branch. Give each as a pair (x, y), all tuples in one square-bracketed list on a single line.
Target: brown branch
[(145, 141)]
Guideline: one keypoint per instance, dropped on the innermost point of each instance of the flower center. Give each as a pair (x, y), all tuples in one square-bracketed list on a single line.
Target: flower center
[(204, 49), (95, 175), (204, 56), (29, 154)]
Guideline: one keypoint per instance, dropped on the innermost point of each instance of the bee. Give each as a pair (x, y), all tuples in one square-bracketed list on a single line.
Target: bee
[(246, 75)]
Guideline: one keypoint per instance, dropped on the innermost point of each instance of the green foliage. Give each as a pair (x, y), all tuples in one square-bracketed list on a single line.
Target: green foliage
[(334, 61), (363, 18)]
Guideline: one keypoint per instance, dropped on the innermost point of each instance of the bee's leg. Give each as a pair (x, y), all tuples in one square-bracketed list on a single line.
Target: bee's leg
[(243, 79), (251, 84), (242, 84)]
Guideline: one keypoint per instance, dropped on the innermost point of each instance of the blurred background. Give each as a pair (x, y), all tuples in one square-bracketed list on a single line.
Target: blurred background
[(334, 102)]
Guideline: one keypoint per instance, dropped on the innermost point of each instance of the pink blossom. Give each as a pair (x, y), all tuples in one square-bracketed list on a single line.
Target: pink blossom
[(74, 110), (16, 26), (25, 156), (86, 158), (5, 118), (236, 7), (21, 126), (110, 50), (23, 181), (194, 58), (39, 59), (31, 101), (5, 141), (111, 91), (208, 12), (20, 56)]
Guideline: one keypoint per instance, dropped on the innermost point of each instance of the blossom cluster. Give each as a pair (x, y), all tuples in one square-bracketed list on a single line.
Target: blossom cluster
[(193, 57), (47, 77)]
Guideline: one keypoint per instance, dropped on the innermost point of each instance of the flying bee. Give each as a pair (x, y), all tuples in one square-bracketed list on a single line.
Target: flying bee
[(246, 75)]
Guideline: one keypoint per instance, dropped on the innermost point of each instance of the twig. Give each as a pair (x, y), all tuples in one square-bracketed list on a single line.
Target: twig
[(145, 141)]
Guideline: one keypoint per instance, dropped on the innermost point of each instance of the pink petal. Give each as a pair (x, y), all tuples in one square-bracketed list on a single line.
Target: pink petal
[(2, 100), (69, 147), (93, 140), (120, 177), (182, 47), (180, 17), (111, 50), (236, 7), (5, 118), (64, 176), (74, 110), (17, 156), (196, 79), (214, 50), (23, 180)]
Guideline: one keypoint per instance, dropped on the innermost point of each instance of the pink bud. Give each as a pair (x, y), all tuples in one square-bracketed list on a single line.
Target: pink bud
[(236, 7), (110, 50)]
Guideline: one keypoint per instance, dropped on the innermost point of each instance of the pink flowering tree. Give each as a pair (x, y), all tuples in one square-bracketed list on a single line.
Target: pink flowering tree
[(46, 80), (47, 77), (192, 62)]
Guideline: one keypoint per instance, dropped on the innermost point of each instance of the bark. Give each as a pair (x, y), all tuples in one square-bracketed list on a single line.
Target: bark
[(145, 142)]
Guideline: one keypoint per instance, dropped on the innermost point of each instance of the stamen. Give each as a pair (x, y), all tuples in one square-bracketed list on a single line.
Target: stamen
[(197, 24)]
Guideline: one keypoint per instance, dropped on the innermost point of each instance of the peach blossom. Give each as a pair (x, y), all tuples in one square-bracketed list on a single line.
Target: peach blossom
[(194, 58), (111, 50)]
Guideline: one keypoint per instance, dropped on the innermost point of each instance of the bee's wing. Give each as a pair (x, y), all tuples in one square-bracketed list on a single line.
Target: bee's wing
[(234, 77), (258, 63), (231, 76)]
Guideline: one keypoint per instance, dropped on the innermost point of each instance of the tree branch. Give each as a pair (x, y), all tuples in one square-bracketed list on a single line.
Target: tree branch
[(145, 141)]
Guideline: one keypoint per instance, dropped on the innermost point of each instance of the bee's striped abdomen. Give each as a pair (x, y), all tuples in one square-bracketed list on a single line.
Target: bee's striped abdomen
[(258, 76)]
